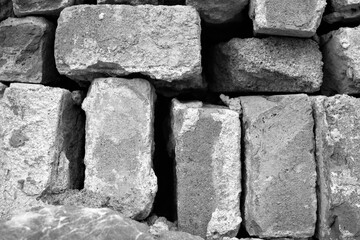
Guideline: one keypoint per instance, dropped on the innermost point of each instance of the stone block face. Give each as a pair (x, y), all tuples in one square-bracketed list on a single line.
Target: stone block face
[(68, 222), (6, 9), (42, 7), (26, 50), (161, 42), (119, 144), (341, 61), (130, 2), (39, 149), (219, 11), (267, 65), (337, 152), (286, 17), (206, 144), (280, 198), (343, 11)]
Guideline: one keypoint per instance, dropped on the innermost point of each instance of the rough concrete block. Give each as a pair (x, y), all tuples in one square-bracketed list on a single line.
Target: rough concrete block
[(26, 50), (120, 144), (39, 148), (337, 152), (286, 17), (219, 11), (267, 65), (130, 2), (6, 9), (341, 61), (161, 42), (280, 194), (42, 7), (206, 144)]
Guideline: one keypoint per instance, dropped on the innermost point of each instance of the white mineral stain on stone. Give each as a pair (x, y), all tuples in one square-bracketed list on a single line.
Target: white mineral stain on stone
[(101, 16)]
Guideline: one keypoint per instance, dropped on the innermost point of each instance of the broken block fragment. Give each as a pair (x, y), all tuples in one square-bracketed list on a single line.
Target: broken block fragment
[(286, 17), (206, 144), (120, 144), (337, 152), (341, 58), (26, 53), (160, 42), (40, 150), (280, 194), (267, 65)]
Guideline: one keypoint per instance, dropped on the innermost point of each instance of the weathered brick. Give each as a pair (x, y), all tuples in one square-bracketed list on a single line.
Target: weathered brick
[(26, 50), (286, 17), (42, 7), (40, 150), (218, 12), (206, 144), (337, 152), (120, 144), (161, 42), (280, 195), (267, 65), (341, 61)]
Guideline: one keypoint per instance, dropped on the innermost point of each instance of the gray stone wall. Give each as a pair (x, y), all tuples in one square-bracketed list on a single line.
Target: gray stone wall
[(186, 119)]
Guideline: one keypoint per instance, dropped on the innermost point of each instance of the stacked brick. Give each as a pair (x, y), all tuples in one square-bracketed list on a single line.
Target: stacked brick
[(280, 166)]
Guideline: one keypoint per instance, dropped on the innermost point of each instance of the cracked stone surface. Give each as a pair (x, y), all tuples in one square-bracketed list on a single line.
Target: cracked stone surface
[(68, 222), (219, 11), (42, 7), (280, 166), (206, 140), (337, 152), (26, 50), (120, 144), (341, 61), (39, 145), (6, 9), (286, 17), (161, 42), (267, 65)]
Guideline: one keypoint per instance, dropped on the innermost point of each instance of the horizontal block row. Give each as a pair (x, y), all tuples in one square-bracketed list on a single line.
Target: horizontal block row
[(300, 157)]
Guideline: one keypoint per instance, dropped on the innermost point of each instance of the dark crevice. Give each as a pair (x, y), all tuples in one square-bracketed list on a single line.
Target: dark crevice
[(165, 201), (242, 232)]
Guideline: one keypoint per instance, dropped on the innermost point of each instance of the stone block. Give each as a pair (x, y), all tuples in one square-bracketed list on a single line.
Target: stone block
[(337, 152), (160, 42), (6, 9), (206, 144), (42, 7), (267, 65), (286, 17), (341, 58), (26, 50), (40, 149), (280, 194), (130, 2), (219, 11), (68, 222), (120, 144), (343, 11)]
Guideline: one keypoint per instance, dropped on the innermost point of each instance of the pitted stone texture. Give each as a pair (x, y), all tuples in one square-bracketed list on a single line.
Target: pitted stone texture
[(39, 149), (219, 11), (337, 151), (42, 7), (286, 17), (280, 166), (161, 42), (130, 2), (70, 223), (267, 65), (341, 61), (26, 50), (206, 143), (6, 9), (120, 144)]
